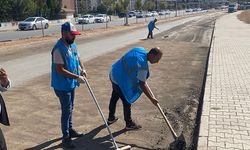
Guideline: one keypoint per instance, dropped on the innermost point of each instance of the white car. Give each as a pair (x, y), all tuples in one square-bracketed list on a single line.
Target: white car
[(34, 23), (86, 19), (100, 18), (149, 14), (154, 13)]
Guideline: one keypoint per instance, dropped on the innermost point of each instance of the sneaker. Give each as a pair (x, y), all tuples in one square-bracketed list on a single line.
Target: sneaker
[(73, 133), (67, 143), (132, 126), (112, 120)]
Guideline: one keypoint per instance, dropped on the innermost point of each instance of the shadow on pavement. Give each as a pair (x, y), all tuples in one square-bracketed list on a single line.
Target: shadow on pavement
[(88, 141)]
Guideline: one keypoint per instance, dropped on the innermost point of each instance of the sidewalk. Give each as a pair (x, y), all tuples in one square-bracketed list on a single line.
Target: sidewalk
[(225, 121)]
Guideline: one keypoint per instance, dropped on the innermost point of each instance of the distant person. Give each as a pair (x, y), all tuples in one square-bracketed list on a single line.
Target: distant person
[(151, 27), (4, 85), (128, 77), (67, 72)]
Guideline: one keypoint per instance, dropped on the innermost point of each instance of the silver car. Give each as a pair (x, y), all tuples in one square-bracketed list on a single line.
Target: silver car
[(34, 23)]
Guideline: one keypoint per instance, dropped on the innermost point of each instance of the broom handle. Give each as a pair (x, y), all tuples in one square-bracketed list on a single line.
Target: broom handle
[(100, 111), (164, 116)]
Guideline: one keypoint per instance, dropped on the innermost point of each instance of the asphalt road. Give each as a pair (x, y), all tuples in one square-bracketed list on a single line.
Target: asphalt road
[(53, 29)]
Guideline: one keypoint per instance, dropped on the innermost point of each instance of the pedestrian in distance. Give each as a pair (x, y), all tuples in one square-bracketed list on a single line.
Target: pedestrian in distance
[(67, 72), (128, 77), (4, 86), (151, 27)]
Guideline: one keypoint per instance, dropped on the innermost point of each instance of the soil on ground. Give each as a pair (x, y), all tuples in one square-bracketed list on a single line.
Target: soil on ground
[(245, 16)]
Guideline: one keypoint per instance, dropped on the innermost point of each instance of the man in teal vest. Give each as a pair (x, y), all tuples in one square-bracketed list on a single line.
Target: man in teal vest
[(128, 77), (67, 73), (151, 27)]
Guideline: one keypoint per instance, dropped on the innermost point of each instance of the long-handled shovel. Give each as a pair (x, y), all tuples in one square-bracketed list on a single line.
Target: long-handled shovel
[(179, 143), (128, 147)]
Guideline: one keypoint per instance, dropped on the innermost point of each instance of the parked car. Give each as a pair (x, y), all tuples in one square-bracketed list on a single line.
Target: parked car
[(162, 12), (86, 19), (154, 13), (34, 23), (140, 15), (149, 14), (189, 10), (122, 15), (100, 18), (131, 14)]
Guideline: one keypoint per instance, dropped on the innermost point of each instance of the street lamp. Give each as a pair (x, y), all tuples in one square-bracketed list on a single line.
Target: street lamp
[(175, 8)]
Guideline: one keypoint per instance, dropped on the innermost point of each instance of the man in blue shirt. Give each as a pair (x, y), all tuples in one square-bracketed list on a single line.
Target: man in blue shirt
[(128, 77), (67, 72), (151, 27)]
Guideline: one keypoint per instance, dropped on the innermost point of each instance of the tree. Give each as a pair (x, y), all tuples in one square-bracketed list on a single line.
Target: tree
[(5, 10), (82, 9), (138, 5), (54, 9), (22, 9), (101, 9), (117, 7), (162, 6), (121, 6), (41, 7), (124, 4), (148, 5), (108, 4)]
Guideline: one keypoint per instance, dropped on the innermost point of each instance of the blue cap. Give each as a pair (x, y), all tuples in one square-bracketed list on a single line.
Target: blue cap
[(69, 27)]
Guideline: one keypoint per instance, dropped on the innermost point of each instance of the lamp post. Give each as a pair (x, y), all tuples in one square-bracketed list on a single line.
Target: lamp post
[(175, 8)]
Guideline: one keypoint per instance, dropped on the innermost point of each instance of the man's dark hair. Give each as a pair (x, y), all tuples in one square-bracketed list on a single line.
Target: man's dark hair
[(155, 51)]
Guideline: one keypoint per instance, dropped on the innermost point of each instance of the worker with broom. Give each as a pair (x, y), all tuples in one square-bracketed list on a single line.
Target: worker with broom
[(128, 77), (151, 27), (67, 72)]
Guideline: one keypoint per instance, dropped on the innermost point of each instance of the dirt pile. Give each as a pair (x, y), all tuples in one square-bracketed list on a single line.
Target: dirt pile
[(245, 16)]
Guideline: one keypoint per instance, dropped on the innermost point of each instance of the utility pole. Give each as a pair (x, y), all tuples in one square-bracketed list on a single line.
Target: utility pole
[(76, 3), (175, 8)]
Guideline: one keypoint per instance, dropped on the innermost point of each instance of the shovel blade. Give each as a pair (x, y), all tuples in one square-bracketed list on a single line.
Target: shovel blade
[(178, 144)]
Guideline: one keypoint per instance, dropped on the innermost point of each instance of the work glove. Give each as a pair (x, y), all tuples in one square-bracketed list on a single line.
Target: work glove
[(81, 79)]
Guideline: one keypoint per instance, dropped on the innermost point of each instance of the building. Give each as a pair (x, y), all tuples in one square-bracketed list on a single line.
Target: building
[(84, 6), (67, 8)]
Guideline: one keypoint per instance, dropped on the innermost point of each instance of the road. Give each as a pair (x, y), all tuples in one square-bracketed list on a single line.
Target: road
[(176, 81), (54, 29)]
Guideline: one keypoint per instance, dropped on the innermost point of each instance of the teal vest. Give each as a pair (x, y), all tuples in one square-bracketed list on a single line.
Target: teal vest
[(71, 63), (151, 25), (125, 70)]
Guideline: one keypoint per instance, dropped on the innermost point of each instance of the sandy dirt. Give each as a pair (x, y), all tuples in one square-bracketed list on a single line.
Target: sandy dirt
[(245, 16), (176, 81)]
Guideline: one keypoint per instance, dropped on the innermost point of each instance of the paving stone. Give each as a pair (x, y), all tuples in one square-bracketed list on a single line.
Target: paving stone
[(227, 104)]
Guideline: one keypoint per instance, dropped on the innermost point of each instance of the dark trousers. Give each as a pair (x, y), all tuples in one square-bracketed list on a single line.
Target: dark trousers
[(2, 141), (150, 34), (116, 94)]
